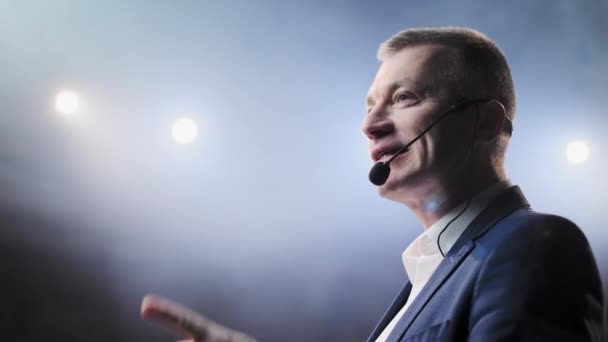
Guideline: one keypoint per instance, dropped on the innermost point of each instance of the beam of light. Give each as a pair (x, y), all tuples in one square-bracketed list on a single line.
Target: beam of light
[(577, 152), (184, 131), (66, 102)]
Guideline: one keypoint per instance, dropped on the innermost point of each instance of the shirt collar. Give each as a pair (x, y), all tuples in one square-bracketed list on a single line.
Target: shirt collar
[(426, 243)]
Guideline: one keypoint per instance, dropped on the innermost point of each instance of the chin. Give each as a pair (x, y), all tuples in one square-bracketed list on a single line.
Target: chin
[(400, 183), (393, 189)]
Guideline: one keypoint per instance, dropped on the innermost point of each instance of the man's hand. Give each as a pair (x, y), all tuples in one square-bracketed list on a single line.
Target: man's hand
[(186, 322)]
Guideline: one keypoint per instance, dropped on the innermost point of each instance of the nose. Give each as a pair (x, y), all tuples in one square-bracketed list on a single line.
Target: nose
[(376, 126)]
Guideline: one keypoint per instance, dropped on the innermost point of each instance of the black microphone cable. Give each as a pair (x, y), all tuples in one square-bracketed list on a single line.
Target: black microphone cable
[(470, 179)]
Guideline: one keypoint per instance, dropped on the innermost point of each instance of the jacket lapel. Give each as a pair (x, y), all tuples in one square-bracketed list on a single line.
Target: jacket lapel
[(510, 200), (397, 304), (444, 270)]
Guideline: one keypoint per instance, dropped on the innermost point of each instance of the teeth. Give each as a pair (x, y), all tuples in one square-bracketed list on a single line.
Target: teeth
[(383, 155), (387, 155)]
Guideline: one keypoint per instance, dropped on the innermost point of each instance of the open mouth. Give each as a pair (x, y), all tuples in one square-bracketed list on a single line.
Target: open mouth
[(384, 156)]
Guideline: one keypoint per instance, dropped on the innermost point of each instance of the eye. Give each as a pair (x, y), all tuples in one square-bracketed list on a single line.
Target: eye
[(401, 97)]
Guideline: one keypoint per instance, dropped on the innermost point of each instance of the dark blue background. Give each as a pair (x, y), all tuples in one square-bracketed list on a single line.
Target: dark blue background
[(266, 223)]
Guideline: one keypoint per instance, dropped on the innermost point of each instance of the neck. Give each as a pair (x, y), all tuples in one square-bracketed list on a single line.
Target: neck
[(433, 199)]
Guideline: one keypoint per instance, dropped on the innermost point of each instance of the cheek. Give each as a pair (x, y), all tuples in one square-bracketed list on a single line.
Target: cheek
[(450, 144), (428, 149), (435, 148)]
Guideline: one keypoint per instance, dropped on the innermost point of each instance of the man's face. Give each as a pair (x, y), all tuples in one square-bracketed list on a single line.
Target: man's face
[(404, 99)]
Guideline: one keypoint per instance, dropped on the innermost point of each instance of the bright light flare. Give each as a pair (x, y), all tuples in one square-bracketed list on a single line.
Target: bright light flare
[(67, 102), (184, 131), (577, 152)]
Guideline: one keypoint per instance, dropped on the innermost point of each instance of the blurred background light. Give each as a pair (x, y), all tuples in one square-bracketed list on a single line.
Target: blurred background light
[(577, 152), (184, 131), (67, 102)]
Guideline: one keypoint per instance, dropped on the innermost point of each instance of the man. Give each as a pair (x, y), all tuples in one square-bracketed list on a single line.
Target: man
[(486, 267)]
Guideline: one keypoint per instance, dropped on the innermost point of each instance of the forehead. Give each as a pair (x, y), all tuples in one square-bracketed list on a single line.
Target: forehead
[(412, 67)]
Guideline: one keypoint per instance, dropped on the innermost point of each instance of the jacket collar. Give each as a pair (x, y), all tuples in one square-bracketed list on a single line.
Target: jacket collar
[(507, 202)]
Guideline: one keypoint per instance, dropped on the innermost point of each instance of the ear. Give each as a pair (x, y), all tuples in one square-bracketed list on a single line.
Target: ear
[(491, 119)]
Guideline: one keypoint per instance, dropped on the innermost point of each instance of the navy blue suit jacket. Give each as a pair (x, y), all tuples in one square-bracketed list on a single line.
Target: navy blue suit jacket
[(513, 275)]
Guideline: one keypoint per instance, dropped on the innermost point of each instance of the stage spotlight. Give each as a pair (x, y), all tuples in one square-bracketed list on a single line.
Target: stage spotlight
[(577, 152), (184, 131), (66, 102)]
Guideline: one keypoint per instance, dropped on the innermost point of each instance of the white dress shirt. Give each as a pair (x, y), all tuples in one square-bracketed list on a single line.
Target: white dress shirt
[(422, 256)]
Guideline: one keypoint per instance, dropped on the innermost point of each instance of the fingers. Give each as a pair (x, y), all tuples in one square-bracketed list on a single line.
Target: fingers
[(174, 316), (186, 322)]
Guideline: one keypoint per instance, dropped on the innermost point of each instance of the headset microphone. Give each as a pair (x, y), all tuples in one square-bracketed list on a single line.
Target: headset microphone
[(381, 170)]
